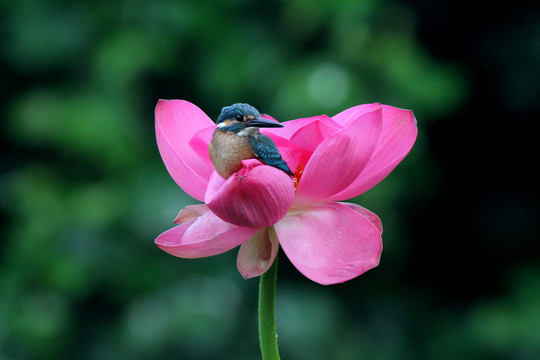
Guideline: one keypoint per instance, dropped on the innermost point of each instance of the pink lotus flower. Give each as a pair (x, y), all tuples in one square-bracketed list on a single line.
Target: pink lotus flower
[(262, 208)]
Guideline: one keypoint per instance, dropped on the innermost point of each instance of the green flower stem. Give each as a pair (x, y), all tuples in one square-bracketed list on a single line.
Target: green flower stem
[(267, 313)]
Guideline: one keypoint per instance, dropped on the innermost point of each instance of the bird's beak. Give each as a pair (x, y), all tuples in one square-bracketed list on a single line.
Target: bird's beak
[(263, 123)]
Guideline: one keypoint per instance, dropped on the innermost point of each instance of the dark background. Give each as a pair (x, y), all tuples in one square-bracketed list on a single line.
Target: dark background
[(83, 191)]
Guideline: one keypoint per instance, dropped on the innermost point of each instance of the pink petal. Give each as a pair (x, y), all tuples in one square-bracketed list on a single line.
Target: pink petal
[(292, 126), (330, 243), (190, 181), (203, 236), (339, 159), (353, 113), (313, 134), (199, 143), (176, 123), (375, 220), (398, 135), (190, 212), (298, 139), (257, 197), (258, 253)]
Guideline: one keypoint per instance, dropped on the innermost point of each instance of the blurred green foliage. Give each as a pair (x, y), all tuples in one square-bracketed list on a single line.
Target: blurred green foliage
[(84, 193)]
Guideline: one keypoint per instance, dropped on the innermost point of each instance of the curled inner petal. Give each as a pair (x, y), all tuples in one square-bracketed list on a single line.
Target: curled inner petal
[(256, 197)]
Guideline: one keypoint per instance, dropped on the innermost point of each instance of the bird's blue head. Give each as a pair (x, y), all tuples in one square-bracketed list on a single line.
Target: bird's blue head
[(245, 115)]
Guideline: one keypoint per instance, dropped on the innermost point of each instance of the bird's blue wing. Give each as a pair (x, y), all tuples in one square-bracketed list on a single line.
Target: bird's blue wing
[(266, 150)]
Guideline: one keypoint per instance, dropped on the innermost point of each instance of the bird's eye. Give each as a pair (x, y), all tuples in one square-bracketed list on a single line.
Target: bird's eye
[(239, 117)]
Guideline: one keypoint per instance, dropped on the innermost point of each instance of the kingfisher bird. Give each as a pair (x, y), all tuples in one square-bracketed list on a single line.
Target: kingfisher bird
[(237, 138)]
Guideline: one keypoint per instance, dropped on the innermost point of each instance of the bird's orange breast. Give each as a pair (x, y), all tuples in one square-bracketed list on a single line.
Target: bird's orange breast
[(227, 150)]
